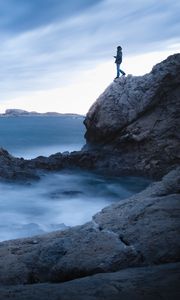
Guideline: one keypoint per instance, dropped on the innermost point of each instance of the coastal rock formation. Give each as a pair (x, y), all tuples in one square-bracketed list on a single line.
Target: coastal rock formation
[(137, 120), (12, 168)]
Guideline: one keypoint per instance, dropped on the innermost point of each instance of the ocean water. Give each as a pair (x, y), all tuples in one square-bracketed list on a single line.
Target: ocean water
[(58, 199), (30, 137)]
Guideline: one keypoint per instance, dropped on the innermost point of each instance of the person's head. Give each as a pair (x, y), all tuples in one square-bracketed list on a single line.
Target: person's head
[(119, 48)]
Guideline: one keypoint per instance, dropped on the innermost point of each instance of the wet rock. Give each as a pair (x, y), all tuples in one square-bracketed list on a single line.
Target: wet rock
[(12, 168)]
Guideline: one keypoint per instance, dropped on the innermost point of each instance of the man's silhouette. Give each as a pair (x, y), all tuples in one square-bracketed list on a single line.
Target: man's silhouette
[(118, 61)]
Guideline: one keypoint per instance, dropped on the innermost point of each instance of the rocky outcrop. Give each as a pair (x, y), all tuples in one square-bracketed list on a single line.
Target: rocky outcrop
[(136, 119), (12, 168), (19, 169)]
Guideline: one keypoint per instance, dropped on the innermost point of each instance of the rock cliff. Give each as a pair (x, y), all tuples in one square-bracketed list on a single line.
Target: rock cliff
[(136, 119)]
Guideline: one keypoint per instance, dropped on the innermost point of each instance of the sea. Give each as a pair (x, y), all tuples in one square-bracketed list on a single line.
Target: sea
[(59, 199)]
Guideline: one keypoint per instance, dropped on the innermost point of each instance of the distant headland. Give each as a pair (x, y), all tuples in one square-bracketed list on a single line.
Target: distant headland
[(14, 112)]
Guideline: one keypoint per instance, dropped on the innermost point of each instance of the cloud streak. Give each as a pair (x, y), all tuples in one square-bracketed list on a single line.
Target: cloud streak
[(22, 15), (44, 43)]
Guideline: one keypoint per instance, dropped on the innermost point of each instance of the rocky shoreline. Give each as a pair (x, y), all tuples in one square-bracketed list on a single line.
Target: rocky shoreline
[(130, 250)]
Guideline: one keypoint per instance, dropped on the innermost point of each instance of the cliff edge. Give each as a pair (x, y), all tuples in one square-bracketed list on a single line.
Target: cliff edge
[(137, 119)]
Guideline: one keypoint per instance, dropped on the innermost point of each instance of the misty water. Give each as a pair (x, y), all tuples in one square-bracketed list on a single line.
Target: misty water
[(58, 199)]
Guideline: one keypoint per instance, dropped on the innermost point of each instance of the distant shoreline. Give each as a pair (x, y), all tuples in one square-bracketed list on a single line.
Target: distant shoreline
[(24, 113)]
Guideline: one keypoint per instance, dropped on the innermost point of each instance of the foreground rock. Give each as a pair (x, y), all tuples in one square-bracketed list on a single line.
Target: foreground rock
[(150, 283), (140, 231)]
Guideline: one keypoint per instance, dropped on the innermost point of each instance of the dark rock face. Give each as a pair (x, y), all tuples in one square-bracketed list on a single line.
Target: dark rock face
[(143, 283), (12, 168), (136, 119)]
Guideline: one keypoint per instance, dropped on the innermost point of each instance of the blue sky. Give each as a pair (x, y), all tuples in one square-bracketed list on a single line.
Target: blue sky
[(58, 54)]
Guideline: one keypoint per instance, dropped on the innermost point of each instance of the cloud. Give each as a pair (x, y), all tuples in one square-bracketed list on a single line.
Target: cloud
[(45, 43), (21, 15)]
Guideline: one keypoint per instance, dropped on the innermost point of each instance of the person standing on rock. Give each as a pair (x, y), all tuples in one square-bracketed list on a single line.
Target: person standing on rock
[(118, 61)]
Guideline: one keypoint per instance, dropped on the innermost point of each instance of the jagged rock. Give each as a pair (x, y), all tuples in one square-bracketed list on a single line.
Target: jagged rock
[(149, 221), (138, 118), (12, 168)]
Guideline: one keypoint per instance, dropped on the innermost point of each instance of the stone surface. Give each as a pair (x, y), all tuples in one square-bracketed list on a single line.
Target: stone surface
[(150, 283)]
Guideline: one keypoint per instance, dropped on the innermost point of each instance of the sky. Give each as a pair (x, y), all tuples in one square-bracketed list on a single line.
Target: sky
[(57, 55)]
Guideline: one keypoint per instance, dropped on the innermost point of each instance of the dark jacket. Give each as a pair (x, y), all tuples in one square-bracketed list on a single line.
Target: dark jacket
[(118, 57)]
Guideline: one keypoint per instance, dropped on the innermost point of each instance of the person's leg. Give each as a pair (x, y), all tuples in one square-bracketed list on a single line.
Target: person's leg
[(121, 71), (118, 70)]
